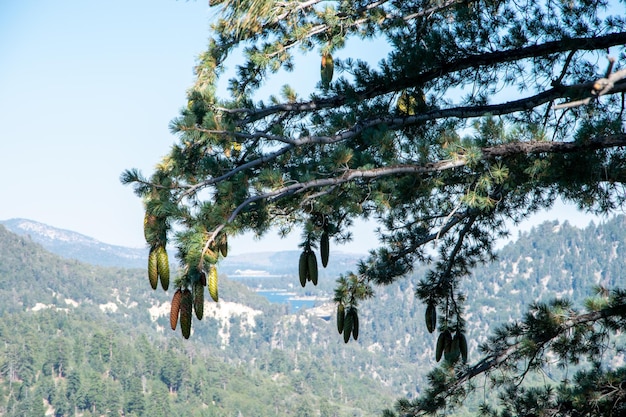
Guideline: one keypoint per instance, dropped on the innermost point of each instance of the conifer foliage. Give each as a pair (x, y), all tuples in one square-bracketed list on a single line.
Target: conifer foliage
[(482, 113)]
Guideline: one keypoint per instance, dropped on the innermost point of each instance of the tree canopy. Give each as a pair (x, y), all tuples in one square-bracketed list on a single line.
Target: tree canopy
[(482, 113)]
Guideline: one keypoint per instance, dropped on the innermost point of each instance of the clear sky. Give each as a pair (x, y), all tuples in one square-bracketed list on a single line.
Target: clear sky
[(87, 90)]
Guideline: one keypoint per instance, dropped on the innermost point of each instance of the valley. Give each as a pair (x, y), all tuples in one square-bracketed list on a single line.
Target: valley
[(256, 352)]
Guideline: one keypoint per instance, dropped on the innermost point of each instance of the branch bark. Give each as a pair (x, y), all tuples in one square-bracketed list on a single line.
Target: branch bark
[(471, 61), (504, 150), (347, 176), (516, 148)]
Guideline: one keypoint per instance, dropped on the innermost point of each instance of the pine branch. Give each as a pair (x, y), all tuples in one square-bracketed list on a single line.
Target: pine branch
[(534, 147), (241, 135), (452, 220), (347, 176), (350, 175), (601, 87), (394, 122), (457, 247), (472, 61), (504, 150), (513, 352)]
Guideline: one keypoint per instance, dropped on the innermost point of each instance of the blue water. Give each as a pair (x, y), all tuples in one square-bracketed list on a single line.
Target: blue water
[(281, 297)]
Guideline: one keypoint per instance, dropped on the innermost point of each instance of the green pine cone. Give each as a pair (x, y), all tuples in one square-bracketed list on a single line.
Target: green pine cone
[(303, 268), (212, 282), (148, 222), (462, 346), (324, 248), (347, 326), (355, 323), (341, 315), (163, 266), (312, 267), (223, 245), (444, 343), (326, 70), (452, 355), (186, 306), (198, 299), (431, 317), (153, 270)]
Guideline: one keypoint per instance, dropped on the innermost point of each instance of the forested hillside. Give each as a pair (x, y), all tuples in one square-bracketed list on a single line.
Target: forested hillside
[(79, 339), (83, 340), (553, 260)]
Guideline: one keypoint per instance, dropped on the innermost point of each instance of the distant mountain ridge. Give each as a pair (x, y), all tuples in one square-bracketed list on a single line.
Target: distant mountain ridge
[(73, 245)]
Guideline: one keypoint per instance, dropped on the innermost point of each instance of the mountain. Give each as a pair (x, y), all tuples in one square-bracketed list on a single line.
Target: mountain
[(73, 245), (247, 354), (66, 323)]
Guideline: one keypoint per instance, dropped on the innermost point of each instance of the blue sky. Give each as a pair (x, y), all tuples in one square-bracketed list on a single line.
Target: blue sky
[(87, 90)]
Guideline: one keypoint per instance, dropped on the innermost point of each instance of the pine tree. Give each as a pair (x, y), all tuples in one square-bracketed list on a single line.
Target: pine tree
[(483, 113)]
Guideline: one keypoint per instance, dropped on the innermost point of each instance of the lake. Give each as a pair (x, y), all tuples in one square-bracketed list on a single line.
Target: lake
[(285, 297)]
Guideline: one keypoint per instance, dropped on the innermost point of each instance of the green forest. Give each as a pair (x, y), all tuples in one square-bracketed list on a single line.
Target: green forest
[(64, 355)]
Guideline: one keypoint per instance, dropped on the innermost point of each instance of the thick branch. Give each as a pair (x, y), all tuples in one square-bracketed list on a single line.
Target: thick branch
[(600, 87), (463, 112), (517, 148), (497, 358), (473, 61), (392, 122), (347, 176), (504, 150), (255, 162)]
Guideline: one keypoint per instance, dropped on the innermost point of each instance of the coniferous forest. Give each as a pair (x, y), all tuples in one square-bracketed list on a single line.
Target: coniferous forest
[(84, 340)]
